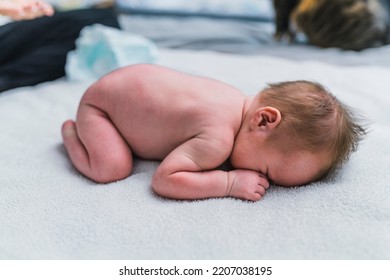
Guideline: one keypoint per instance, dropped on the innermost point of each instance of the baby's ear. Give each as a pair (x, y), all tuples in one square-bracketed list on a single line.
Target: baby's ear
[(265, 118)]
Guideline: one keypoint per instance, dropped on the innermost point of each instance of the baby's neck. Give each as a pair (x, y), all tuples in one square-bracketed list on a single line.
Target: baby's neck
[(247, 103)]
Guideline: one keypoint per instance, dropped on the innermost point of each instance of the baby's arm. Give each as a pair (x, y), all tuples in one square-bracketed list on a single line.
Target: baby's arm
[(187, 173)]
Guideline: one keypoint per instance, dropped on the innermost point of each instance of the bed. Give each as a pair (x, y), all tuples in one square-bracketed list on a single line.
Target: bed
[(50, 211)]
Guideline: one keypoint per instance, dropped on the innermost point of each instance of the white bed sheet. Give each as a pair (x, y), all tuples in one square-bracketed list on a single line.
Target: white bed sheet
[(49, 211)]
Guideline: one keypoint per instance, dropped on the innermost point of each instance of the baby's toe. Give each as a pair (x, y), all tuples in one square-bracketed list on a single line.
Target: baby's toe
[(68, 128)]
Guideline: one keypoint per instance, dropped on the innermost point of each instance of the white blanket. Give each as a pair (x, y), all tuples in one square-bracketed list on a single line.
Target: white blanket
[(49, 211)]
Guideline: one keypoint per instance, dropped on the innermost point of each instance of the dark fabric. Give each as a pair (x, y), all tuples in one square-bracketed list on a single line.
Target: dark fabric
[(34, 51)]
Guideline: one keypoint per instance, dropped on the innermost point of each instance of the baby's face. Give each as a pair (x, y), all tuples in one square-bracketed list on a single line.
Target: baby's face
[(285, 169)]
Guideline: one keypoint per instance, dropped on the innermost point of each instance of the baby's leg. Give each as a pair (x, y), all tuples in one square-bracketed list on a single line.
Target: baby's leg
[(95, 147)]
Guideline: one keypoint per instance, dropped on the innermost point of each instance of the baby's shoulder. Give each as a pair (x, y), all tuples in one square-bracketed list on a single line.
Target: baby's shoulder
[(219, 138)]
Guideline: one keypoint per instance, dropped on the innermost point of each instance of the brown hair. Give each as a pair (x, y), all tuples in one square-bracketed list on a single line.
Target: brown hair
[(313, 115)]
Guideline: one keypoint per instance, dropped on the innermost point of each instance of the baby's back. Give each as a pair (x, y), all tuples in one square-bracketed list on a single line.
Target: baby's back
[(156, 109)]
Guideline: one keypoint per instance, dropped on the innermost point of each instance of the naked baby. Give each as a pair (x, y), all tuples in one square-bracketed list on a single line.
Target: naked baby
[(290, 134)]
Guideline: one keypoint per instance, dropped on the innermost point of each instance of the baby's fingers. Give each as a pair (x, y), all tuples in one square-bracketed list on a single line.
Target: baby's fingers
[(261, 190), (258, 194), (255, 197), (263, 181)]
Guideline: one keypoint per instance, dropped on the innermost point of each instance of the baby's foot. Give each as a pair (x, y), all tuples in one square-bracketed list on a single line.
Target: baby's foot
[(73, 144), (70, 136)]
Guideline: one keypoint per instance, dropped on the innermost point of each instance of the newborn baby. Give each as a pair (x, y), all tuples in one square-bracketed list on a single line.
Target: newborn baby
[(291, 133)]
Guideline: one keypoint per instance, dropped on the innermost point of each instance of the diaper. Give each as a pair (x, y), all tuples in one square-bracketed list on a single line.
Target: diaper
[(101, 49)]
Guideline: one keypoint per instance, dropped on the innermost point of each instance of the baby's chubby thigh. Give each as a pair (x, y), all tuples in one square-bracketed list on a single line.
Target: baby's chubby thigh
[(110, 156), (94, 144)]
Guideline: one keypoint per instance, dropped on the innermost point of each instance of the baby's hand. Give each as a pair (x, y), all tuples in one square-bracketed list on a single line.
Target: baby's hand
[(247, 184), (25, 9)]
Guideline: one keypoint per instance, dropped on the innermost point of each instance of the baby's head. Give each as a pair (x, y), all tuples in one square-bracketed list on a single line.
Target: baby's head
[(296, 132)]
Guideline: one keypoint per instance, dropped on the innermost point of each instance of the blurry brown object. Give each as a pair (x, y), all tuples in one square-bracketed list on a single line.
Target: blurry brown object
[(345, 24), (105, 4)]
